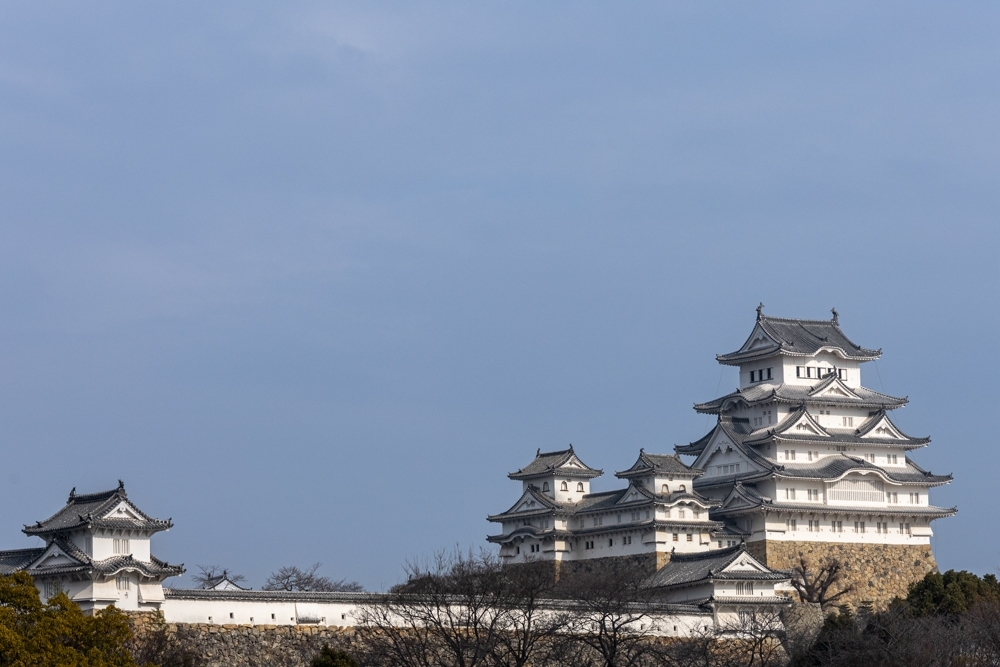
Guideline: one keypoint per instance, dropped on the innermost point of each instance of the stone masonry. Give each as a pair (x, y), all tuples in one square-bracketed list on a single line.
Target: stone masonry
[(877, 572)]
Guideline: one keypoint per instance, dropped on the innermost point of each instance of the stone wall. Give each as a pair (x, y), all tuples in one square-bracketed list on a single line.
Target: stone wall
[(877, 572), (643, 563), (213, 645)]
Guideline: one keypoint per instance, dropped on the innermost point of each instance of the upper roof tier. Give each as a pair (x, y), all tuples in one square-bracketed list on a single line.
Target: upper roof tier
[(107, 509), (547, 464), (796, 338), (658, 464), (831, 391)]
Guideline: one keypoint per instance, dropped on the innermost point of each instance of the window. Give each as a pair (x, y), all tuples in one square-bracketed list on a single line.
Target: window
[(813, 526), (598, 520), (837, 526), (789, 494), (664, 489), (121, 582), (863, 490), (697, 514), (564, 487), (744, 588), (681, 514), (611, 543), (841, 448), (579, 487), (904, 529), (891, 497), (790, 525), (859, 526), (50, 589), (619, 518), (789, 454), (627, 539), (690, 537), (518, 549), (914, 498), (842, 373), (870, 458), (588, 545), (634, 516), (848, 421), (682, 488), (675, 537), (813, 495), (545, 486), (891, 459), (272, 616), (121, 546), (882, 527)]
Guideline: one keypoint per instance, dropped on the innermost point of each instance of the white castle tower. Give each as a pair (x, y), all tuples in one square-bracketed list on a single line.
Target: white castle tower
[(806, 461)]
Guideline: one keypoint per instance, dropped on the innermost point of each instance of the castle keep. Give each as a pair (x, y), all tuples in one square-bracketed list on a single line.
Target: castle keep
[(803, 462)]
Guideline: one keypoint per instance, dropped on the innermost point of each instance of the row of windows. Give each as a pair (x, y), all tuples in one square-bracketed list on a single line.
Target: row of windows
[(564, 486), (761, 375), (818, 372), (814, 526), (871, 457), (891, 497), (589, 544), (744, 588), (121, 546), (731, 469)]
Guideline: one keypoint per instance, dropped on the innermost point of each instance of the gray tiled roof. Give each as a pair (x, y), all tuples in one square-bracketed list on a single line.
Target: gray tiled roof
[(657, 464), (800, 394), (800, 337), (154, 568), (687, 569), (92, 509), (18, 559), (834, 435), (548, 463)]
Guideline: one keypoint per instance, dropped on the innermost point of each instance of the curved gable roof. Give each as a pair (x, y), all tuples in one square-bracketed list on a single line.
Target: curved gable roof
[(564, 462), (95, 510), (796, 337)]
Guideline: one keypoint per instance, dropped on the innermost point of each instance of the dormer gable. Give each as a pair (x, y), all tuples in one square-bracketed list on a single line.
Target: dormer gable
[(803, 423), (879, 426), (833, 387)]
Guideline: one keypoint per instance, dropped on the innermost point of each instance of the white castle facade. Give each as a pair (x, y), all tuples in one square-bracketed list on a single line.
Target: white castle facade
[(803, 461)]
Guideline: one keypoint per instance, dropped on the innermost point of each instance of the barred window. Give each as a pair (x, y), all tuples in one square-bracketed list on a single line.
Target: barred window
[(863, 490)]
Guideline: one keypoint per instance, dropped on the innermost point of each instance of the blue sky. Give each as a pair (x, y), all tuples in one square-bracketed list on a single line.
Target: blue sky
[(312, 279)]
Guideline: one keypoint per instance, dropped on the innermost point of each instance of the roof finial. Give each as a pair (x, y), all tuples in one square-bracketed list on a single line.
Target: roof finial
[(835, 314), (72, 493), (642, 450), (760, 310), (121, 485), (538, 452)]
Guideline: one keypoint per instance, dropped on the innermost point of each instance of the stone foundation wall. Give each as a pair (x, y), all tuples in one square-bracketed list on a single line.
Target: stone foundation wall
[(643, 563), (877, 572), (210, 645)]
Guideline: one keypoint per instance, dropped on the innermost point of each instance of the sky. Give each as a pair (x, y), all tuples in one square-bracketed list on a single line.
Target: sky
[(311, 278)]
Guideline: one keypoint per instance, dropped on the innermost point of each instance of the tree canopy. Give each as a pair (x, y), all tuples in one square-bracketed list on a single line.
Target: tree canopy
[(951, 593), (57, 633)]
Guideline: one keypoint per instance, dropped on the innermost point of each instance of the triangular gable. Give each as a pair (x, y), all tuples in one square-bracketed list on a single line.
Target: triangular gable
[(54, 556), (805, 425), (738, 497), (123, 510), (528, 502), (834, 388), (746, 563), (747, 465), (633, 494), (882, 428), (759, 339), (573, 462), (719, 439)]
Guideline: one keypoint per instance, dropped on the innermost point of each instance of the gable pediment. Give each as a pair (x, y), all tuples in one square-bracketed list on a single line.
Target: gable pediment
[(54, 556), (745, 563), (759, 339), (884, 429), (123, 510), (807, 426), (632, 495), (836, 389)]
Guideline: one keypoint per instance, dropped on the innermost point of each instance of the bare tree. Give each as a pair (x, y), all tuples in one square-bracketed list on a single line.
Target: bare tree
[(529, 623), (751, 638), (448, 613), (611, 615), (294, 578), (211, 575), (818, 585)]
